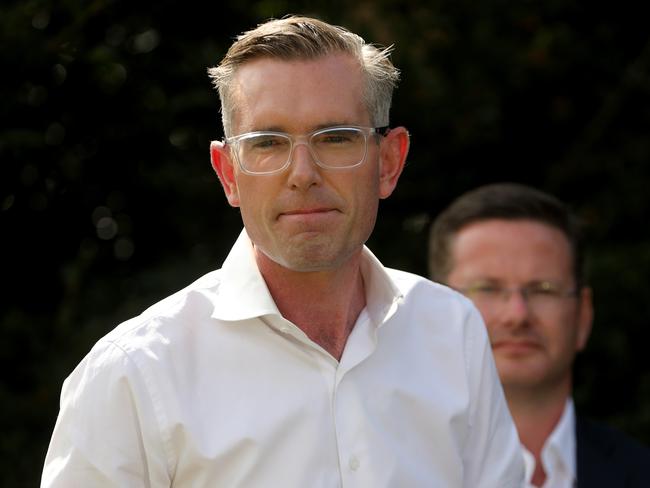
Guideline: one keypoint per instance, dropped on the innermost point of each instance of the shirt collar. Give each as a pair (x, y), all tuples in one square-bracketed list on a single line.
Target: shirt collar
[(382, 294), (559, 451), (242, 292), (560, 447)]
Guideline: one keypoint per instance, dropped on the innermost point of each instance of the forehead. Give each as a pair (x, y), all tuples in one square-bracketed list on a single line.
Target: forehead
[(511, 250), (298, 94)]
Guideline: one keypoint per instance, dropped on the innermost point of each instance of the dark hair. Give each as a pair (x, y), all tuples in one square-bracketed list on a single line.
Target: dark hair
[(509, 201)]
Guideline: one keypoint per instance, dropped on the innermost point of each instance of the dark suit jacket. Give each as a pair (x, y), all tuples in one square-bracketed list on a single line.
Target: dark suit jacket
[(607, 458)]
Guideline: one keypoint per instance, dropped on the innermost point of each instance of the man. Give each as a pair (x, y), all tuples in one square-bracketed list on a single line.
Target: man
[(516, 252), (302, 362)]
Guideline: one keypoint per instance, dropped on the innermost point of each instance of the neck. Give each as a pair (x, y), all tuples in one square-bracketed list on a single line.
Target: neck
[(536, 412), (323, 304)]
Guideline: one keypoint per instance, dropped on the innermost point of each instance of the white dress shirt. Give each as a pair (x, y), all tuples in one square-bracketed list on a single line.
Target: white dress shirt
[(558, 453), (212, 387)]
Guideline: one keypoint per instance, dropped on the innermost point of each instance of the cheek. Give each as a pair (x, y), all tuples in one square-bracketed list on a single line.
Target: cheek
[(365, 191), (250, 202), (490, 319), (559, 333), (367, 202), (367, 206), (252, 188), (565, 320), (566, 337)]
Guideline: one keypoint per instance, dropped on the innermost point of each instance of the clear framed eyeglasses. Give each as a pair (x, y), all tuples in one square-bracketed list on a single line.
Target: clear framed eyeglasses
[(541, 296), (270, 152)]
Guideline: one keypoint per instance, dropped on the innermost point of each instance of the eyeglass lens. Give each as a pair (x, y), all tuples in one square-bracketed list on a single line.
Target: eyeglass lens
[(335, 148), (542, 297)]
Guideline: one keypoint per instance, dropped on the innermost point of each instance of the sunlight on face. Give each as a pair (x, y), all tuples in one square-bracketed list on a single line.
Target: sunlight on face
[(306, 218)]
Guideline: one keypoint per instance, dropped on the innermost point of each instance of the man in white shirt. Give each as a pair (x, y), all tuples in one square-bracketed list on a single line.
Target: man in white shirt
[(302, 362), (516, 252)]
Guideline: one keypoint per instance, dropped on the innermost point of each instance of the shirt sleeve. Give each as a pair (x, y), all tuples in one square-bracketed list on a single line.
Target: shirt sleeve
[(106, 434), (493, 456)]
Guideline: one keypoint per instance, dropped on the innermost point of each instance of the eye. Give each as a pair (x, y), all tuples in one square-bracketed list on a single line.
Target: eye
[(543, 288), (333, 139), (337, 137), (265, 142), (484, 289)]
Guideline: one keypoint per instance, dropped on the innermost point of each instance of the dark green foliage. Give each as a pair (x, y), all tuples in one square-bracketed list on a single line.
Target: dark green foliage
[(108, 202)]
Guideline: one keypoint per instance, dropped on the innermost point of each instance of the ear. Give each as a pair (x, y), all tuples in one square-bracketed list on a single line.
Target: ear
[(393, 151), (585, 317), (225, 169)]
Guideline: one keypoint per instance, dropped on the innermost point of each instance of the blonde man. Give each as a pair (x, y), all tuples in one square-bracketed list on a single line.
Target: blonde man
[(302, 362)]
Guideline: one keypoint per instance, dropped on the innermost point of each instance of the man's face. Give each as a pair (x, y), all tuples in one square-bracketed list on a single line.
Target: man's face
[(306, 218), (534, 342)]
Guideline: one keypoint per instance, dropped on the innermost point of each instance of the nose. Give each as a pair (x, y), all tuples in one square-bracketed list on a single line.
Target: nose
[(303, 170), (514, 311)]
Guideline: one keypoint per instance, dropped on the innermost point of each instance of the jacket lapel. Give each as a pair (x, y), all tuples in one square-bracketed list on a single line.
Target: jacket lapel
[(594, 451)]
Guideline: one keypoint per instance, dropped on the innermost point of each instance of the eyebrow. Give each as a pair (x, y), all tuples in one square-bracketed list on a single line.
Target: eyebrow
[(533, 282), (335, 124), (479, 279), (278, 128)]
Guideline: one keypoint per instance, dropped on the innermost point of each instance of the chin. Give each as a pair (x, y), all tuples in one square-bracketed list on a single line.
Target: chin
[(523, 379), (521, 373), (313, 258), (305, 262), (310, 264)]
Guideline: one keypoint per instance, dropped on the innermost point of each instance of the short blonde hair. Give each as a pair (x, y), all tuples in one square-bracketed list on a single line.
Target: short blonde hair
[(297, 38)]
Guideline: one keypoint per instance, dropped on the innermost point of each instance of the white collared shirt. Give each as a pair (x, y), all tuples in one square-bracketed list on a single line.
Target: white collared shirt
[(558, 453), (212, 387)]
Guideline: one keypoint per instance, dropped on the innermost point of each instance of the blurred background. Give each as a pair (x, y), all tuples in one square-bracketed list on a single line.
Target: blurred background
[(108, 202)]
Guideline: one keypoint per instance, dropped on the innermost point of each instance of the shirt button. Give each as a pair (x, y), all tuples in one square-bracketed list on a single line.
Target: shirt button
[(284, 329), (354, 463)]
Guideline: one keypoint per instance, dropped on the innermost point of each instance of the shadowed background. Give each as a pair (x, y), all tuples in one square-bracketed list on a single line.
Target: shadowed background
[(108, 202)]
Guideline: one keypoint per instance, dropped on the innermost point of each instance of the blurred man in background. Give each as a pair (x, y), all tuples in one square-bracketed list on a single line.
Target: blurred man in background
[(516, 253)]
